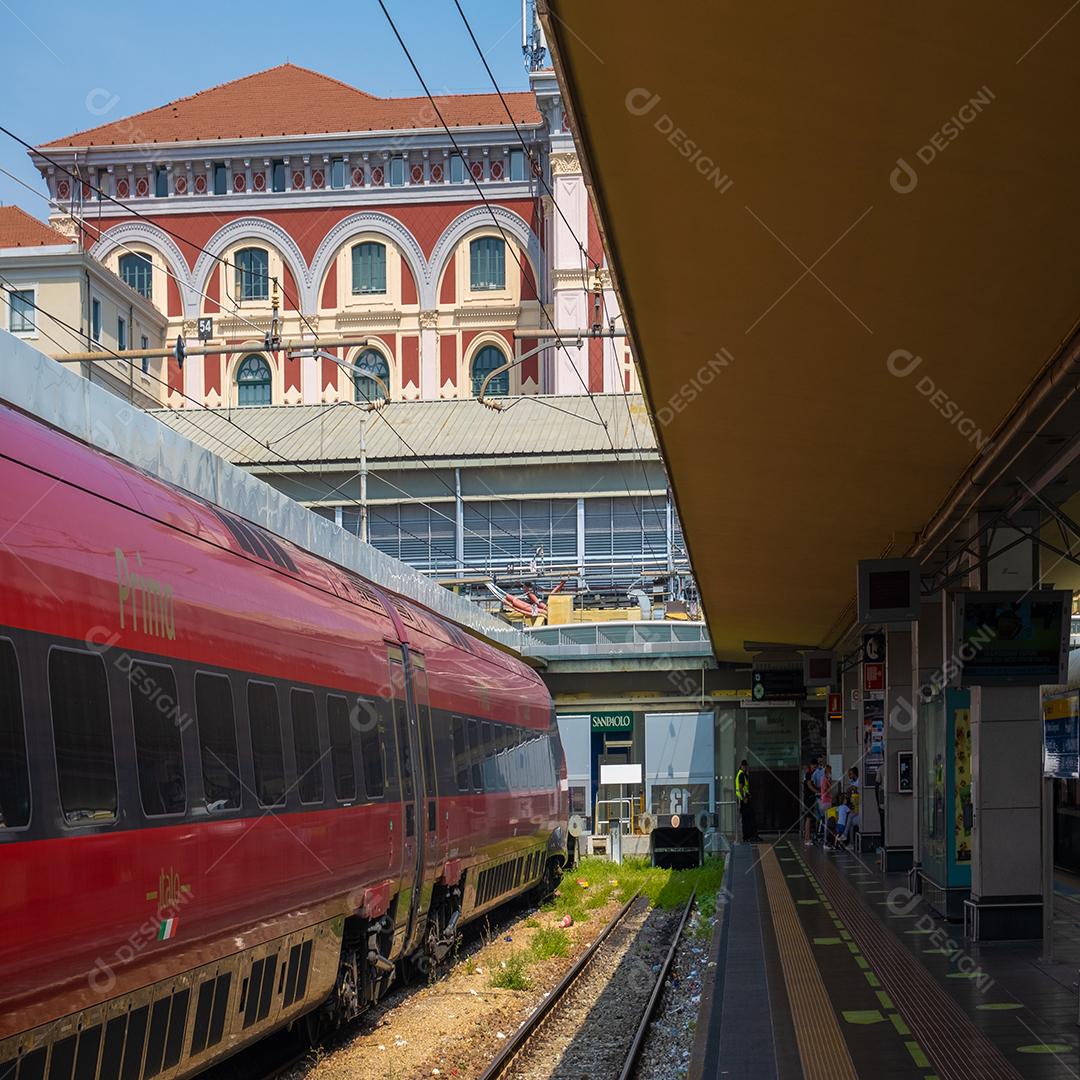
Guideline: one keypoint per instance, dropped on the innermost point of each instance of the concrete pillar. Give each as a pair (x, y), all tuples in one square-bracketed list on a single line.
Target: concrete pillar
[(899, 840), (1007, 853), (927, 661), (851, 738)]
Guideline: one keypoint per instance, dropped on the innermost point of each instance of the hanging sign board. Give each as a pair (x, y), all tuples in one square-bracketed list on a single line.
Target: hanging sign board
[(873, 676), (612, 721), (620, 774), (836, 706)]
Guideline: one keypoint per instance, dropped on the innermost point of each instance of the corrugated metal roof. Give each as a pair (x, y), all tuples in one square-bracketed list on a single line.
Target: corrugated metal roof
[(430, 430)]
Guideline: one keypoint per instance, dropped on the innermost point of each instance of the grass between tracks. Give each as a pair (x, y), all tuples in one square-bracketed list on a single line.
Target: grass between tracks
[(604, 881), (591, 885)]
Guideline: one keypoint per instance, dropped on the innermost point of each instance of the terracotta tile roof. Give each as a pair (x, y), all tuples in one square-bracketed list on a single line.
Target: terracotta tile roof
[(20, 229), (291, 100)]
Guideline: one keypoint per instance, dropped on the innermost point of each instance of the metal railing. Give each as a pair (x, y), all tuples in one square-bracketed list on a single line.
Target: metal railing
[(669, 638)]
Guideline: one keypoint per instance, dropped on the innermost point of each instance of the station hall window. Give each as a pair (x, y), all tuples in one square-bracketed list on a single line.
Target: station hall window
[(341, 750), (457, 170), (337, 172), (121, 333), (277, 175), (368, 268), (217, 741), (487, 360), (517, 165), (305, 729), (253, 274), (397, 171), (137, 271), (21, 302), (369, 366), (221, 178), (487, 263), (82, 736), (14, 775), (95, 320), (253, 381), (161, 182), (159, 755), (266, 752)]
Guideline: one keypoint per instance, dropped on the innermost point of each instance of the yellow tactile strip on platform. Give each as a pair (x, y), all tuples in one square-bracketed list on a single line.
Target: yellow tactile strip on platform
[(822, 1049)]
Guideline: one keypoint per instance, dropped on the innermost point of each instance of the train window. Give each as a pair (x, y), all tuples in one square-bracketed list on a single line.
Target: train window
[(217, 741), (474, 751), (14, 777), (305, 733), (82, 734), (371, 751), (266, 750), (159, 755), (341, 750), (461, 753)]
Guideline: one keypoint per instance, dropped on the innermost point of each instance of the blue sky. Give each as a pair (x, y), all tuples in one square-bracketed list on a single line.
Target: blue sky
[(59, 56)]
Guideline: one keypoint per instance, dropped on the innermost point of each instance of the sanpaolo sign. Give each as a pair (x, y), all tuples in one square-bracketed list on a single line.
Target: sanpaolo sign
[(612, 721)]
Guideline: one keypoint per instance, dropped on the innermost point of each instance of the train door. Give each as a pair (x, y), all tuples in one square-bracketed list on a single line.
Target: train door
[(429, 821), (411, 783)]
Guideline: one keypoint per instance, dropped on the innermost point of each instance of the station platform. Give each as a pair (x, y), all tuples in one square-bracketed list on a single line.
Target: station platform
[(826, 969)]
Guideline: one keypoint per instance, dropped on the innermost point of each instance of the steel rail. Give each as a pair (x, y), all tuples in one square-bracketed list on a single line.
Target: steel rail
[(654, 998), (518, 1040)]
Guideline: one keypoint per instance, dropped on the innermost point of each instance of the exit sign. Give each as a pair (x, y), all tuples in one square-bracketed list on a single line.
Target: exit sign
[(612, 721)]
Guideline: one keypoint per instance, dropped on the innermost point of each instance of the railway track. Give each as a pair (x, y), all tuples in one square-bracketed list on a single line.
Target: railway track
[(596, 1020)]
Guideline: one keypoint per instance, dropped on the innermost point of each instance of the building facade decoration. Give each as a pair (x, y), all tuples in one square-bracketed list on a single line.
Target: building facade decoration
[(363, 233)]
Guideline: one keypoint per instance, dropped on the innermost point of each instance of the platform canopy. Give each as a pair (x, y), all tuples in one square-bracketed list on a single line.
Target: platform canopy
[(846, 239)]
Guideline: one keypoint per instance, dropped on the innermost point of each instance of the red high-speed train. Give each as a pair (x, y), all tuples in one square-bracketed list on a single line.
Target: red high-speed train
[(239, 785)]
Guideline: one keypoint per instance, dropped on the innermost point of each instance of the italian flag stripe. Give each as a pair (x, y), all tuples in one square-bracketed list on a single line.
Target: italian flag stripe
[(167, 929)]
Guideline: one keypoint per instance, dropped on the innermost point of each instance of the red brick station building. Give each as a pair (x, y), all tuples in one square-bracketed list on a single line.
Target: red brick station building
[(370, 223)]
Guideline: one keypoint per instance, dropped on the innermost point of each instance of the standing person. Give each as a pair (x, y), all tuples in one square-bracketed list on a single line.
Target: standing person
[(809, 803), (853, 799), (825, 798), (746, 807), (815, 781)]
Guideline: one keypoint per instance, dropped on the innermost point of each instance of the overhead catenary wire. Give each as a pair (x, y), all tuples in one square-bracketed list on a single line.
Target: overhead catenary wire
[(509, 246), (133, 251), (225, 262), (6, 286), (137, 213)]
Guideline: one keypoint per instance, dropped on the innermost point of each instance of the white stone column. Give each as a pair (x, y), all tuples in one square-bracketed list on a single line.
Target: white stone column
[(310, 378), (194, 375), (429, 355)]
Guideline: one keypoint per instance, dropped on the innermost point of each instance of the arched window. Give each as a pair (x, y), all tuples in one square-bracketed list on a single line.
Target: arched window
[(487, 263), (252, 274), (253, 381), (138, 272), (370, 362), (487, 360), (369, 268)]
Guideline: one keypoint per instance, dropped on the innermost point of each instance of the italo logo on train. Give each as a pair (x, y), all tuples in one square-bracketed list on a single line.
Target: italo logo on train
[(146, 604)]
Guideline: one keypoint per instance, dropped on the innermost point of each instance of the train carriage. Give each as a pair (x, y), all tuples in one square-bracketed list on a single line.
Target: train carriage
[(239, 784)]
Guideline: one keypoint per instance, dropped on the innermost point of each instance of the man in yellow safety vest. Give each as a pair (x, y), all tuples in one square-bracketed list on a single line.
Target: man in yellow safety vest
[(746, 807)]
